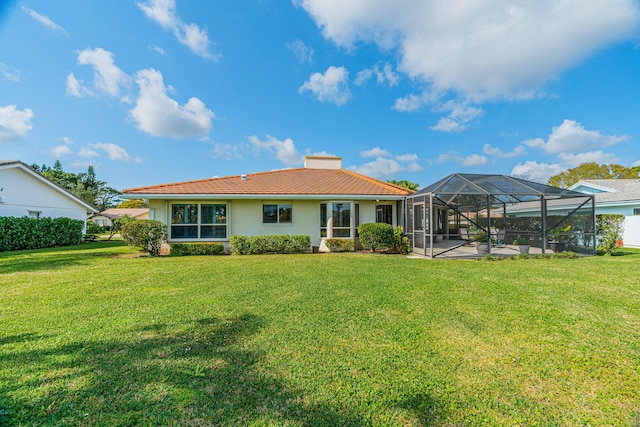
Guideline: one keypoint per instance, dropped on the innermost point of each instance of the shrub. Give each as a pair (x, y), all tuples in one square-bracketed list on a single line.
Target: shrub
[(609, 228), (209, 248), (18, 233), (270, 244), (145, 234), (401, 244), (340, 245), (375, 235)]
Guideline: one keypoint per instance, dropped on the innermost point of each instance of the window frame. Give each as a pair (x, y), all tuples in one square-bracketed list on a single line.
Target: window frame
[(200, 224), (280, 209)]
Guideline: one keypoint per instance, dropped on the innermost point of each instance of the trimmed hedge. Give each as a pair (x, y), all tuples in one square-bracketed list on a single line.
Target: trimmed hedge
[(375, 235), (340, 245), (270, 244), (145, 234), (18, 233), (209, 248)]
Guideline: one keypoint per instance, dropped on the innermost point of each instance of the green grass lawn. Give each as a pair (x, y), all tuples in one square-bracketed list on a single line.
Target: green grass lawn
[(95, 335)]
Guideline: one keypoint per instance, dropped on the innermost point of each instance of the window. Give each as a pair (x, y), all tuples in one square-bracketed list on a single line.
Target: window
[(341, 215), (340, 224), (34, 214), (636, 211), (199, 221), (277, 214), (384, 214)]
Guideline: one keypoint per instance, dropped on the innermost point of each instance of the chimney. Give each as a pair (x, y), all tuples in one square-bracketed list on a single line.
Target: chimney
[(322, 162), (243, 177)]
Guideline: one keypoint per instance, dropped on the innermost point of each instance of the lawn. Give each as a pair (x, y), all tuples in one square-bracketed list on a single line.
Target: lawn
[(96, 335)]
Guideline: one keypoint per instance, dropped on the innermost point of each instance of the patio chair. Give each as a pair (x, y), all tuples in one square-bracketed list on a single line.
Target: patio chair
[(500, 237), (464, 235)]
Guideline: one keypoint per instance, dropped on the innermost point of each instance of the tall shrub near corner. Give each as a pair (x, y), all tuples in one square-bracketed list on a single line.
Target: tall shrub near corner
[(375, 235), (145, 234)]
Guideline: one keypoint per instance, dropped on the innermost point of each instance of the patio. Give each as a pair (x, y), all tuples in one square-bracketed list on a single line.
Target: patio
[(443, 217)]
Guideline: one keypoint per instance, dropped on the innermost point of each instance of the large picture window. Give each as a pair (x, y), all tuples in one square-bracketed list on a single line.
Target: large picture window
[(277, 214), (199, 221), (340, 214)]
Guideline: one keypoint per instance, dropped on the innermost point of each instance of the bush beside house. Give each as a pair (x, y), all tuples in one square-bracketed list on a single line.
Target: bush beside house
[(270, 244), (18, 233), (145, 234)]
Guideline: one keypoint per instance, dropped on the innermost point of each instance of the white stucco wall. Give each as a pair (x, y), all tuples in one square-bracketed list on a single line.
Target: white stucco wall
[(23, 193), (245, 216), (631, 235)]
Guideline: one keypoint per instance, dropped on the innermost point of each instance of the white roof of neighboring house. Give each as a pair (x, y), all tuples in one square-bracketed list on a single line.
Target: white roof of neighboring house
[(9, 164), (610, 190), (120, 212)]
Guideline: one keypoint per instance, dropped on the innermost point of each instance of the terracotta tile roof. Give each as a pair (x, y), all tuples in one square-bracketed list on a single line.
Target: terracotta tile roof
[(301, 181)]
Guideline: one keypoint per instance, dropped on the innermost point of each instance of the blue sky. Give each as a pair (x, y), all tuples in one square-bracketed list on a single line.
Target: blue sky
[(157, 91)]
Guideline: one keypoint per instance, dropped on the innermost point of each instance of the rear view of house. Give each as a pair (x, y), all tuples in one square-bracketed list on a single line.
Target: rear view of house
[(321, 200)]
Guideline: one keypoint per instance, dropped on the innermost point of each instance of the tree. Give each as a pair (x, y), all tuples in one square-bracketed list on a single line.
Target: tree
[(84, 185), (591, 171), (406, 184), (133, 204)]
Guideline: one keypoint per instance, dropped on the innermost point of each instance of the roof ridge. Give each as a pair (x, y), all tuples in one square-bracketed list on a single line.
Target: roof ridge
[(194, 181), (379, 182)]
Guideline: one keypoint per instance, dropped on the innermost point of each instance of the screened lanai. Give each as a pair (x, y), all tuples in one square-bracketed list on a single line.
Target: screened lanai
[(448, 218)]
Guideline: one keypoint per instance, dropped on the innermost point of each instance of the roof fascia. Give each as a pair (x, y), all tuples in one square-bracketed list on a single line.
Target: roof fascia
[(594, 186), (50, 183), (262, 196)]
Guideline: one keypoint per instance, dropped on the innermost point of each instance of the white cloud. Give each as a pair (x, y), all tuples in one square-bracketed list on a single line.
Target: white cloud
[(571, 160), (497, 152), (86, 152), (387, 165), (226, 151), (375, 152), (163, 12), (332, 86), (384, 76), (107, 76), (157, 114), (44, 20), (14, 123), (115, 152), (636, 163), (460, 114), (571, 136), (468, 161), (303, 52), (474, 160), (159, 50), (76, 88), (412, 102), (283, 150), (60, 151), (9, 73), (537, 172), (494, 49)]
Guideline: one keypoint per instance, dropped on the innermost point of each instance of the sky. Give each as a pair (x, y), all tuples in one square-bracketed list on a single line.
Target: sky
[(158, 91)]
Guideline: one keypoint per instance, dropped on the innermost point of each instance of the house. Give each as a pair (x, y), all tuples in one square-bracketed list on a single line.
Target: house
[(321, 200), (616, 196), (25, 192), (104, 218)]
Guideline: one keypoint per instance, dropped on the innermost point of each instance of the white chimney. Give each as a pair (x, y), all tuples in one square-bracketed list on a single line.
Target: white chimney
[(243, 177), (322, 162)]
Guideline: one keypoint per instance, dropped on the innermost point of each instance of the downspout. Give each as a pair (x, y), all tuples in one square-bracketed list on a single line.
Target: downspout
[(430, 224), (593, 207), (489, 222), (543, 236)]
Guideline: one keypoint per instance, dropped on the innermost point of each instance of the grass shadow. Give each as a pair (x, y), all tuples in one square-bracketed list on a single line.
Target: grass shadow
[(198, 375), (56, 258)]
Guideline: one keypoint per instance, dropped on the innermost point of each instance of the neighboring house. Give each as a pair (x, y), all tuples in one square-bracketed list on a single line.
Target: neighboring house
[(104, 218), (25, 192), (617, 196), (321, 200)]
